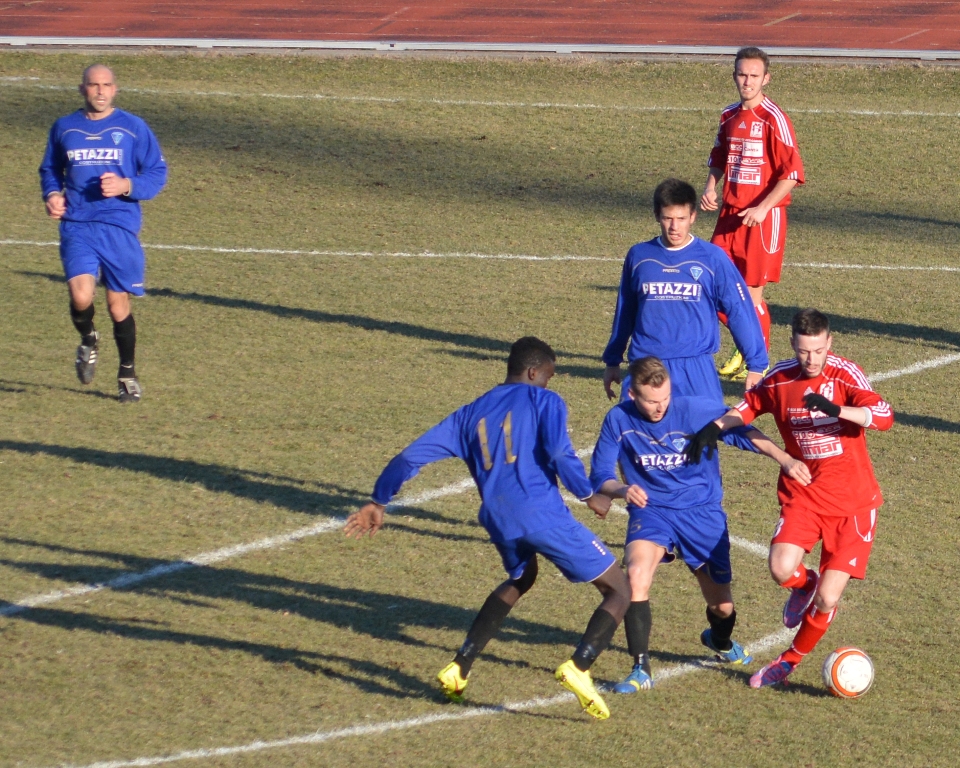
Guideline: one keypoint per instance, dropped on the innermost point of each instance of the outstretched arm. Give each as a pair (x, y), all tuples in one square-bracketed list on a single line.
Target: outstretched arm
[(790, 466), (366, 520), (632, 494)]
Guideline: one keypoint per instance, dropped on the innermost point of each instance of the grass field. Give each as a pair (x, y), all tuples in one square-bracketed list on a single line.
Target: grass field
[(318, 296)]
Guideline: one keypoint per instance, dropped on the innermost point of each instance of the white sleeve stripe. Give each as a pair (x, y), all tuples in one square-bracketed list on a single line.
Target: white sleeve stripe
[(786, 135)]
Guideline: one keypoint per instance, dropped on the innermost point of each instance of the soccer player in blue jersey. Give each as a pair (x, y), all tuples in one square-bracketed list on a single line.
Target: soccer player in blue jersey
[(514, 441), (670, 292), (674, 507), (99, 164)]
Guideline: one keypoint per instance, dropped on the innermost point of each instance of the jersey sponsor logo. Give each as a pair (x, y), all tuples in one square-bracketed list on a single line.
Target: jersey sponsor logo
[(117, 137), (696, 272), (740, 175), (752, 148), (819, 443), (667, 461), (94, 156), (673, 291), (756, 130)]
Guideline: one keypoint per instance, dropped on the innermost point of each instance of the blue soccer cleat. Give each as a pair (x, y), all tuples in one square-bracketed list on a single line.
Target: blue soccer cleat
[(733, 655), (637, 680)]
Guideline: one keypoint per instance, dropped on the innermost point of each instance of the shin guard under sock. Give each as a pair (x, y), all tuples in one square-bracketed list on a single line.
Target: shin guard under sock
[(125, 335), (812, 628), (721, 629), (484, 627), (83, 321), (597, 637)]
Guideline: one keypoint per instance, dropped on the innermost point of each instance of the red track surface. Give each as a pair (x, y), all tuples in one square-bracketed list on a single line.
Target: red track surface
[(909, 24)]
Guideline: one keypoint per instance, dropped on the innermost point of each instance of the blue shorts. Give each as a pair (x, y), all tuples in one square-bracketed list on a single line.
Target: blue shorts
[(698, 534), (689, 377), (111, 254), (572, 547)]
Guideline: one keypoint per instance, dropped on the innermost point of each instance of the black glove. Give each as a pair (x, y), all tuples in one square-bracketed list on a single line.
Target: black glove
[(815, 402), (705, 438)]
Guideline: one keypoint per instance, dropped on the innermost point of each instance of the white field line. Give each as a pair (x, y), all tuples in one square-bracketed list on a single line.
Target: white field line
[(332, 524), (218, 555), (774, 640), (937, 362), (31, 82), (465, 255)]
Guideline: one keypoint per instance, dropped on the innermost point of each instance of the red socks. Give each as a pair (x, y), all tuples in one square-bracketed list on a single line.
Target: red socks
[(799, 578), (763, 314), (813, 627)]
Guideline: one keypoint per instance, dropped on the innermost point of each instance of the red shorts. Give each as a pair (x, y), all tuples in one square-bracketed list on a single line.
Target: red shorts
[(847, 541), (757, 252)]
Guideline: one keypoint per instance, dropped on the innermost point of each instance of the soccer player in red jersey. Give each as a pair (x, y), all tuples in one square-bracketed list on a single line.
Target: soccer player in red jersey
[(756, 150), (822, 404)]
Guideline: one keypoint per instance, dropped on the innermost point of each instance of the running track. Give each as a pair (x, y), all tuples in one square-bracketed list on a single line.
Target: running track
[(917, 25)]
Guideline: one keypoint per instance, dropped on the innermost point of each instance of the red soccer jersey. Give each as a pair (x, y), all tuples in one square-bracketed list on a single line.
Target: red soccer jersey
[(835, 450), (756, 149)]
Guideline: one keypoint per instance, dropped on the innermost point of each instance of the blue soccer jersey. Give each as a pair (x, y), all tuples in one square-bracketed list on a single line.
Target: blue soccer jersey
[(80, 150), (668, 303), (650, 454), (514, 441)]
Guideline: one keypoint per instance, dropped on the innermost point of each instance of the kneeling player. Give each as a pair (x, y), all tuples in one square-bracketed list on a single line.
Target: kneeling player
[(673, 505), (514, 440), (823, 404)]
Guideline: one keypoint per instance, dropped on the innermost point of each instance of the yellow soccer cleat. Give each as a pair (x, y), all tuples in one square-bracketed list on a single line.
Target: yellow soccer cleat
[(733, 364), (741, 375), (451, 682), (581, 685)]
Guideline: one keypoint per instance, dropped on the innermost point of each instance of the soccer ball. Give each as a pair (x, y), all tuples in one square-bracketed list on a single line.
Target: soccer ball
[(848, 673)]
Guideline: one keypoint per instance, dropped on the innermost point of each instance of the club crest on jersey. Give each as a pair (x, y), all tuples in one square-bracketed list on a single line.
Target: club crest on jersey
[(679, 443), (117, 137), (696, 272), (826, 389), (756, 130)]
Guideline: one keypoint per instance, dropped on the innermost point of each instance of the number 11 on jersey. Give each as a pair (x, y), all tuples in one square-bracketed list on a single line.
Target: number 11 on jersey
[(507, 440)]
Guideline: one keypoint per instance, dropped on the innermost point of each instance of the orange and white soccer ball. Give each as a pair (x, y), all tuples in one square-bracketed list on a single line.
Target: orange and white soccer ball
[(848, 673)]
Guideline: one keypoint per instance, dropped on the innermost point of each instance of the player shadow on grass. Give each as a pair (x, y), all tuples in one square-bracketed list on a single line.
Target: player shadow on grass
[(400, 328), (380, 615), (841, 324), (929, 423), (327, 499), (367, 676), (23, 387)]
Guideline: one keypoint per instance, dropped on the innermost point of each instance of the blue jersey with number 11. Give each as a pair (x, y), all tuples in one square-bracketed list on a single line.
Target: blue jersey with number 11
[(514, 441)]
